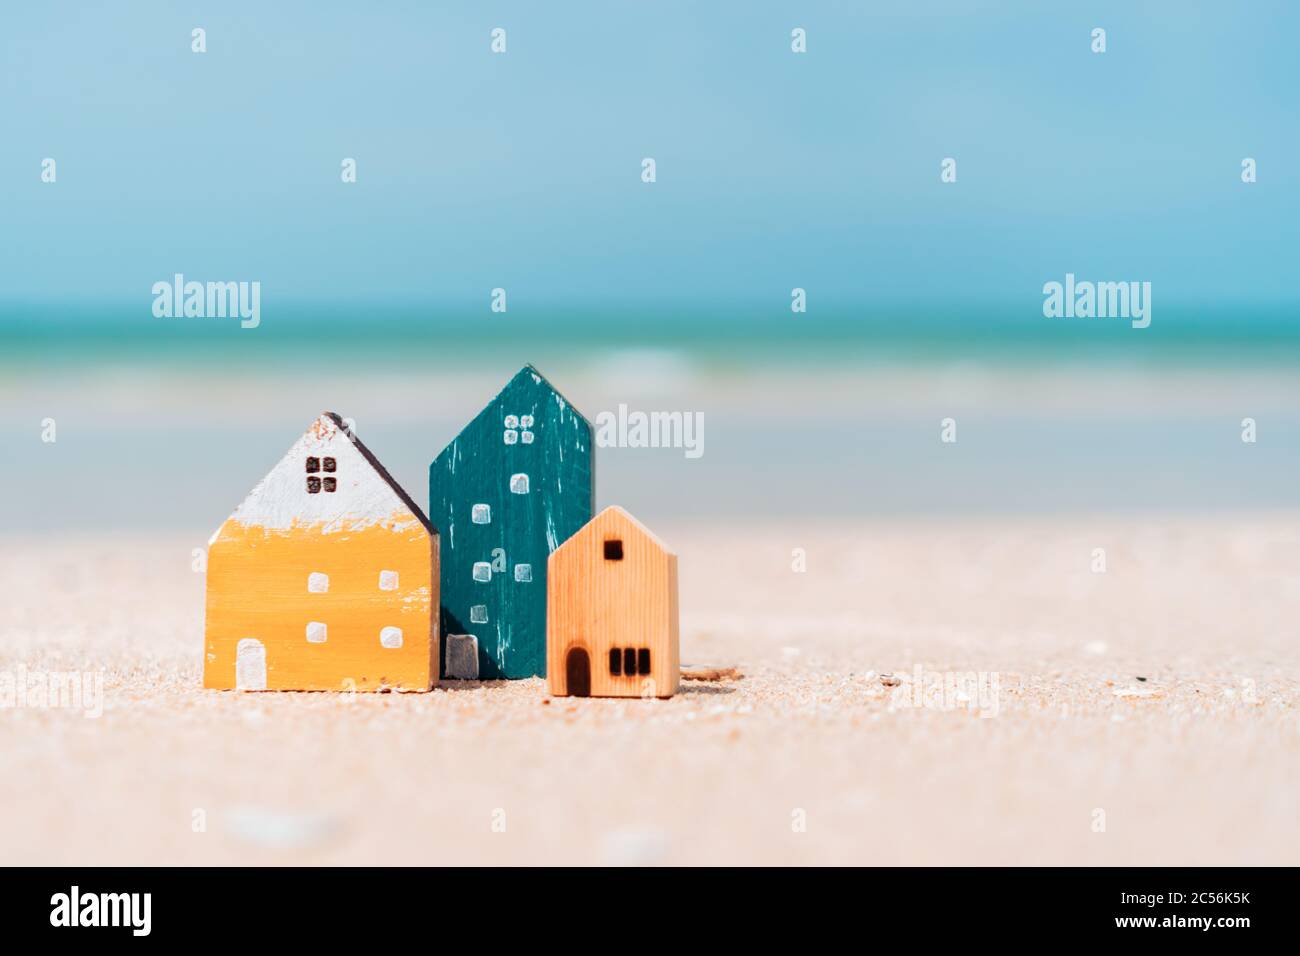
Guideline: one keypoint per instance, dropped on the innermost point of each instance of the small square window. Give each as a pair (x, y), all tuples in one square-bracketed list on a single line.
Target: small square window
[(643, 661), (313, 465), (512, 421), (519, 484), (523, 572), (478, 614), (526, 438), (330, 484), (388, 580), (315, 632), (510, 437), (329, 464), (480, 514), (614, 549), (629, 661), (318, 583), (525, 421), (313, 485), (615, 662), (391, 637), (482, 571)]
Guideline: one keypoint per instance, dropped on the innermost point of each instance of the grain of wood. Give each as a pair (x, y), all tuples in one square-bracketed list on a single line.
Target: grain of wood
[(600, 608)]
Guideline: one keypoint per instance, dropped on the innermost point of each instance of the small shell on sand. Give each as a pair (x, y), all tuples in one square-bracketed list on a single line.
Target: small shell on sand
[(1137, 692), (701, 672)]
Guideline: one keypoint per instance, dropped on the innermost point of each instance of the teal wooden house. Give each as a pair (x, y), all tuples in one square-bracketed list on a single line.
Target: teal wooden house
[(512, 487)]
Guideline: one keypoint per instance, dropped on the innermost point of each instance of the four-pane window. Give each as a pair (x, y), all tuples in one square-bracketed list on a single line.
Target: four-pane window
[(315, 483)]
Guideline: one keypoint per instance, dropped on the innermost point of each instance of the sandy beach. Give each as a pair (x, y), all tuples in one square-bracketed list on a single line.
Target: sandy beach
[(983, 484), (1141, 715)]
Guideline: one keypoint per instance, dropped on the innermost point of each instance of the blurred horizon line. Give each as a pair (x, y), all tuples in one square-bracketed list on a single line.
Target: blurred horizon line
[(121, 333)]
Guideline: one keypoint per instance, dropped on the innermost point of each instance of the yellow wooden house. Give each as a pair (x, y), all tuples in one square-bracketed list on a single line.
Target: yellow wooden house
[(325, 578)]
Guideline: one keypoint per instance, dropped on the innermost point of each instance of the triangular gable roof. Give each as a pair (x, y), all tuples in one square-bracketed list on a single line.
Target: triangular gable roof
[(637, 526), (388, 479), (282, 482), (539, 379)]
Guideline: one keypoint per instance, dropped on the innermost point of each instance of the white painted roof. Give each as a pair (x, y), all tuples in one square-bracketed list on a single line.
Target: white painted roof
[(366, 494)]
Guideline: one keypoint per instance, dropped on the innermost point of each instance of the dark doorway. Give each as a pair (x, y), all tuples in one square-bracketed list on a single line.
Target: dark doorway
[(577, 672)]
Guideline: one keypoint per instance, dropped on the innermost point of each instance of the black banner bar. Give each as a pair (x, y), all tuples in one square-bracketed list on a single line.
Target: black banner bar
[(1220, 906)]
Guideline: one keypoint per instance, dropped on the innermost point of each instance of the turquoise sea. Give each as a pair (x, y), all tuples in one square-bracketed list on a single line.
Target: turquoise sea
[(167, 423), (727, 335)]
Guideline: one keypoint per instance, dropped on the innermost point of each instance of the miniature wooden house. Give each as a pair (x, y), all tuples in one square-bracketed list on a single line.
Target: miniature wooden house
[(325, 578), (612, 612), (513, 485)]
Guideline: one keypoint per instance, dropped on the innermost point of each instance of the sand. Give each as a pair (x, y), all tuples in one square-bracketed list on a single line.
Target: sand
[(1143, 715)]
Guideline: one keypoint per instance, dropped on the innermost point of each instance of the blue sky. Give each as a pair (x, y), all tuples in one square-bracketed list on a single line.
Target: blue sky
[(774, 169)]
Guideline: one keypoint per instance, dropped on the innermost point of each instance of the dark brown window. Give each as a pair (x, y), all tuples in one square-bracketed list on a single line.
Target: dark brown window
[(314, 484), (629, 661), (614, 549)]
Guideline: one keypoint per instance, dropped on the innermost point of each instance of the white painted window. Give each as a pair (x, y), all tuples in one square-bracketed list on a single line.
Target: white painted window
[(478, 614), (482, 571), (315, 632), (480, 514), (391, 637), (388, 580), (522, 422), (318, 583), (519, 484), (523, 572)]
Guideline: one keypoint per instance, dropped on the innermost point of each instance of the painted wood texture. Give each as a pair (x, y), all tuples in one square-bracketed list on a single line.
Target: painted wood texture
[(325, 578), (513, 486), (612, 628)]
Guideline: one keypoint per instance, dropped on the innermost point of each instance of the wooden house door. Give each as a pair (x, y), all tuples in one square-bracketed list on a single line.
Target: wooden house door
[(250, 665), (577, 672)]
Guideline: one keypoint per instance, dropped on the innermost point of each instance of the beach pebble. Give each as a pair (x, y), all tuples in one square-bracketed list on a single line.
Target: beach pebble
[(635, 846), (281, 831)]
